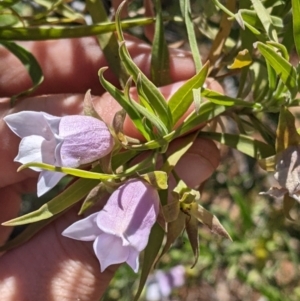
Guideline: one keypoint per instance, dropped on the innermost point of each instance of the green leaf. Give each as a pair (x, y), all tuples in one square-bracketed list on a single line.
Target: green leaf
[(251, 17), (225, 100), (119, 96), (30, 63), (160, 65), (207, 111), (153, 95), (187, 17), (245, 144), (27, 234), (272, 77), (147, 111), (296, 24), (238, 18), (70, 171), (157, 178), (197, 99), (265, 19), (281, 66), (181, 100), (150, 254), (64, 200)]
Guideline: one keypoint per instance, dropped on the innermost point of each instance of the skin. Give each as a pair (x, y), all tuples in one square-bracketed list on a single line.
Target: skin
[(50, 266)]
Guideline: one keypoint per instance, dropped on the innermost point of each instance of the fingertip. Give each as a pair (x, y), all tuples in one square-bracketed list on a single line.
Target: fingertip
[(199, 163)]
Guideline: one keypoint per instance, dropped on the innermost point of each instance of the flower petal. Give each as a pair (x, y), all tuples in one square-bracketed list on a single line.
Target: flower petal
[(109, 250), (133, 259), (86, 139), (130, 213), (36, 149), (27, 123), (85, 229), (47, 180)]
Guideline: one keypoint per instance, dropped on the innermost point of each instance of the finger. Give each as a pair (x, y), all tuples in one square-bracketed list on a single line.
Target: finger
[(71, 66), (199, 163), (52, 267)]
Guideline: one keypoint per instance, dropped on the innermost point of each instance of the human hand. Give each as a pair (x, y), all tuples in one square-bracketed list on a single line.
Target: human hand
[(50, 266)]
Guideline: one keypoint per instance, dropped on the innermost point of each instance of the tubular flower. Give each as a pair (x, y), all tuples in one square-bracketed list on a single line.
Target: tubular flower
[(120, 231), (68, 141)]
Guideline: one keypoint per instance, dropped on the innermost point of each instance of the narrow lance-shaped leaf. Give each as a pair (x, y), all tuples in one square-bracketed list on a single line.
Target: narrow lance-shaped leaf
[(225, 100), (185, 7), (272, 77), (147, 111), (27, 234), (243, 143), (160, 65), (181, 100), (126, 105), (70, 171), (64, 200), (283, 68), (30, 63), (152, 93), (265, 19), (197, 99), (251, 17)]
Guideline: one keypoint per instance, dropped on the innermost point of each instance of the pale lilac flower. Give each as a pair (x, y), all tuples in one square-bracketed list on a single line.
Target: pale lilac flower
[(287, 174), (120, 231), (68, 141), (161, 283)]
